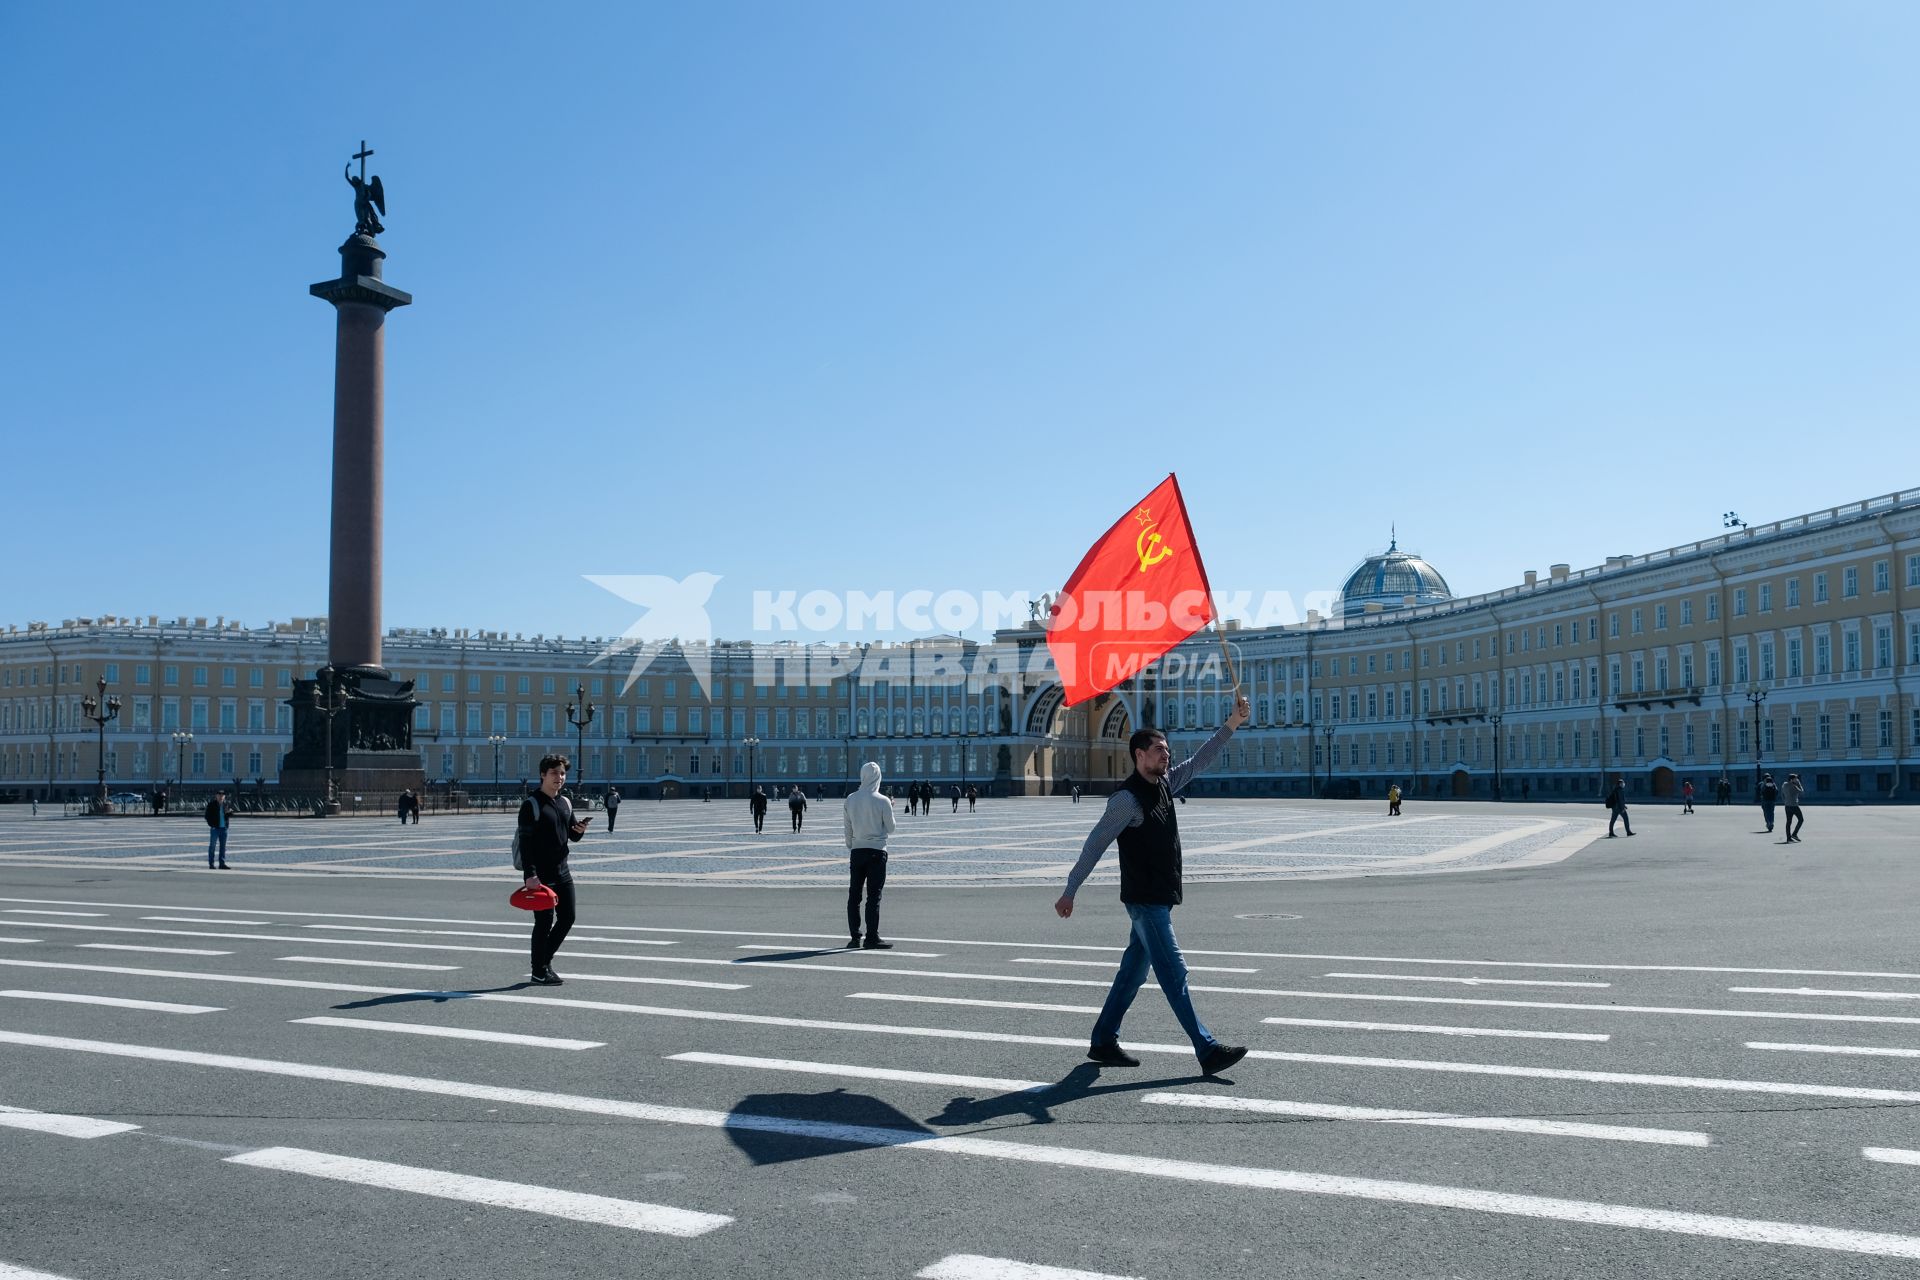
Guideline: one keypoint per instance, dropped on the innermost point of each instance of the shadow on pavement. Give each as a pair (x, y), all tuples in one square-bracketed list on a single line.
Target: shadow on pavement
[(1076, 1085), (772, 1128), (436, 997)]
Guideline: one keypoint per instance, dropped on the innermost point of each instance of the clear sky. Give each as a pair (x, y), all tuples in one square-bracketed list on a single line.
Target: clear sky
[(848, 295)]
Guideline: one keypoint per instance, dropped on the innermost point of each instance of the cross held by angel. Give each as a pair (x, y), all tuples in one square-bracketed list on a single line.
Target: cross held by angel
[(368, 195)]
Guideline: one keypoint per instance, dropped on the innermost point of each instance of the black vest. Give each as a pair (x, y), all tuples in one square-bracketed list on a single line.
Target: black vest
[(1150, 852)]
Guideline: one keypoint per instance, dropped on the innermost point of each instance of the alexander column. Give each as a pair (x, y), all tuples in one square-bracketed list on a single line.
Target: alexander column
[(353, 723)]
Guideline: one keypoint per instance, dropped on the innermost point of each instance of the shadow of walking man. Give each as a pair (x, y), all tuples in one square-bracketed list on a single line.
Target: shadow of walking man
[(773, 1128), (1036, 1104)]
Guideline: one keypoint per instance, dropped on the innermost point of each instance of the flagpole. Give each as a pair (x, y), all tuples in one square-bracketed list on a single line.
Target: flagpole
[(1232, 676)]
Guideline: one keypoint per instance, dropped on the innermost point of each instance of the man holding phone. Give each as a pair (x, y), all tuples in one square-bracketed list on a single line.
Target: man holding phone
[(547, 829)]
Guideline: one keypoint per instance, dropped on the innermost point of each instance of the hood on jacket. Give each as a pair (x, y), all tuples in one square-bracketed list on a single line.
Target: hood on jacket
[(870, 776)]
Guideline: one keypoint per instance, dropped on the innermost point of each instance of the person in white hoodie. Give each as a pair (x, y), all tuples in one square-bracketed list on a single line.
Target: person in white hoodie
[(869, 822)]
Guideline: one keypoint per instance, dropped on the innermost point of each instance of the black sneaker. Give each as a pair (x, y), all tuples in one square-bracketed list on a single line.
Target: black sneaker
[(547, 978), (1112, 1055), (1220, 1057), (874, 944), (853, 943)]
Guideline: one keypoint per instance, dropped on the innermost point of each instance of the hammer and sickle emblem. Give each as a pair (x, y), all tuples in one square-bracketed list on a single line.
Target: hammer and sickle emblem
[(1151, 548)]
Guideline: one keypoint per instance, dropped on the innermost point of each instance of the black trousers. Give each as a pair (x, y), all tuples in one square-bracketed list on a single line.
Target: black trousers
[(1619, 815), (867, 867), (612, 813), (797, 813), (759, 816), (1766, 811), (1795, 820), (550, 928)]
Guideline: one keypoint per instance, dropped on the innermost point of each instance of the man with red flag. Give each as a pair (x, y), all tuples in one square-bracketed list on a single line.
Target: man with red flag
[(1139, 591)]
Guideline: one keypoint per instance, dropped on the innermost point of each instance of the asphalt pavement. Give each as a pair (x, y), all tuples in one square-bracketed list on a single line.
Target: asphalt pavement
[(1691, 1052)]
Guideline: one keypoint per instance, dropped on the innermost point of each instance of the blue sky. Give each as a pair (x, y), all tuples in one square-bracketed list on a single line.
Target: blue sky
[(884, 296)]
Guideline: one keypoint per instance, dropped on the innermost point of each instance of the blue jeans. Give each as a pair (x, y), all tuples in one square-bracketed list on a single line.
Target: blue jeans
[(1152, 944), (216, 836)]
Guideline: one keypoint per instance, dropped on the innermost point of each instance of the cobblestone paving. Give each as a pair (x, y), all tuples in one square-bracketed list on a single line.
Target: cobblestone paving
[(1014, 842)]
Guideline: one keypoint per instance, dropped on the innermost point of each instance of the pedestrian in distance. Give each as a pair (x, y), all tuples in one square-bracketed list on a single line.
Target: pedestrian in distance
[(757, 805), (404, 805), (1724, 788), (1792, 793), (1142, 817), (956, 799), (1686, 796), (869, 821), (797, 806), (1526, 789), (219, 815), (547, 831), (973, 795), (613, 807), (1393, 800), (1617, 807), (1769, 797)]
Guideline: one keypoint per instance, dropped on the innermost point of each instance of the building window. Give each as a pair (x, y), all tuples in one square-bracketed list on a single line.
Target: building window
[(1739, 602), (1686, 738), (1882, 575), (1823, 731), (1659, 617), (1851, 641), (1766, 597), (1849, 582), (1713, 606), (1793, 656), (1913, 571), (1686, 671), (1613, 626), (1637, 628), (1883, 647), (1819, 588), (1886, 729), (1853, 730), (1713, 739), (1793, 733), (1823, 654), (1793, 593)]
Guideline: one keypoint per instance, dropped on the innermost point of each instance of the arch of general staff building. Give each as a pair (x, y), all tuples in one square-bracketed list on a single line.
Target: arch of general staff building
[(1792, 646)]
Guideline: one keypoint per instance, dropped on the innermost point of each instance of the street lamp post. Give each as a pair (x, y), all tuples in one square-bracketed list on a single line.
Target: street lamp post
[(1756, 695), (498, 740), (750, 742), (1493, 718), (331, 704), (100, 709), (1326, 731), (580, 715), (180, 741)]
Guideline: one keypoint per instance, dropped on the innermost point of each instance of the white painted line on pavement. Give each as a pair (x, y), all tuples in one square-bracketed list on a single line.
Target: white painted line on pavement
[(165, 951), (1584, 1212), (1819, 991), (1860, 1050), (10, 1272), (1437, 1119), (112, 1002), (1108, 964), (477, 933), (450, 1033), (575, 1205), (777, 946), (1437, 1030), (371, 964), (1469, 982), (445, 946), (28, 911), (1891, 1155), (571, 976), (863, 1073), (22, 941), (1485, 1003), (977, 1004), (60, 1126), (243, 979), (202, 920), (973, 1266)]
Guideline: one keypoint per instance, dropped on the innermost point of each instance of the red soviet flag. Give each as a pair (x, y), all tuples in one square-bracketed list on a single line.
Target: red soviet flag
[(1139, 591)]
